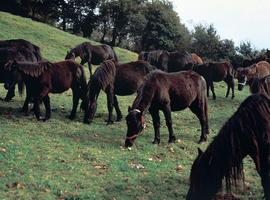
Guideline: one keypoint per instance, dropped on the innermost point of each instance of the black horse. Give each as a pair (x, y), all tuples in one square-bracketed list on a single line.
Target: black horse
[(92, 54), (168, 92), (247, 132), (168, 61), (20, 50), (114, 79)]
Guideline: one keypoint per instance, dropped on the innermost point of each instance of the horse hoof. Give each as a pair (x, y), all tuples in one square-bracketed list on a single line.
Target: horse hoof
[(119, 118), (172, 139), (87, 121), (71, 117), (202, 140), (156, 141), (7, 99), (109, 123), (232, 97)]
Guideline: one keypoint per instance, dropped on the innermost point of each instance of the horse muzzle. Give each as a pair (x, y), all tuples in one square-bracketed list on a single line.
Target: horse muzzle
[(129, 142), (240, 86)]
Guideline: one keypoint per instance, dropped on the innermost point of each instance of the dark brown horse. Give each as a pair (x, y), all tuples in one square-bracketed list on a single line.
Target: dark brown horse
[(168, 92), (114, 79), (261, 85), (20, 50), (175, 61), (43, 78), (168, 61), (247, 132), (196, 59), (153, 58), (215, 72), (92, 54), (246, 75)]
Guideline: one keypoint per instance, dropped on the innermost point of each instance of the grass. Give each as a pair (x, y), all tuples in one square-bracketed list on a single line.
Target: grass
[(63, 159)]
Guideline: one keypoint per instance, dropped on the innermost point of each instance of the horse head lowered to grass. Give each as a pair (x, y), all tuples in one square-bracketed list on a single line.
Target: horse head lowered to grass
[(247, 132)]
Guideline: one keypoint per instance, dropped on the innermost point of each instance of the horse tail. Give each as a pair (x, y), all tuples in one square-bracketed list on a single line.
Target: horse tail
[(81, 78)]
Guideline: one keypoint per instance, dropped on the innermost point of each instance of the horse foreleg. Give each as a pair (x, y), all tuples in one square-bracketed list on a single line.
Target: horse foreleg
[(167, 113), (207, 86), (46, 101), (110, 103), (90, 68), (199, 108), (10, 93), (213, 90), (117, 109), (75, 101), (156, 123), (36, 108)]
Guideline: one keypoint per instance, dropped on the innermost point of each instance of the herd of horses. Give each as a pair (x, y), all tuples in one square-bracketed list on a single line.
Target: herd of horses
[(162, 80)]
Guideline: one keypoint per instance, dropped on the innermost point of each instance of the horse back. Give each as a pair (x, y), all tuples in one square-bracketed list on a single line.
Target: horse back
[(180, 89)]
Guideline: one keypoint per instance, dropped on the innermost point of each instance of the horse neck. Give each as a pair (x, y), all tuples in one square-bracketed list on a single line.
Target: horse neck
[(144, 99)]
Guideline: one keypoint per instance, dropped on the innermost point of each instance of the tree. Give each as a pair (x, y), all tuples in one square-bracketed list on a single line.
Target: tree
[(206, 41), (163, 27), (246, 50)]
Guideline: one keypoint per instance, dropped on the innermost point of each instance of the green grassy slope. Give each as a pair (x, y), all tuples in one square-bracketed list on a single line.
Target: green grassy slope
[(63, 159)]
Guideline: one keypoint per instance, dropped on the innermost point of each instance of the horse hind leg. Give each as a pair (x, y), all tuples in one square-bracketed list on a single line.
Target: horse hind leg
[(230, 84), (90, 68), (167, 114), (76, 93), (200, 109), (265, 175)]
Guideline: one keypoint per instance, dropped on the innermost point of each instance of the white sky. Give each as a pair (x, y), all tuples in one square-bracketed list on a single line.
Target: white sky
[(239, 20)]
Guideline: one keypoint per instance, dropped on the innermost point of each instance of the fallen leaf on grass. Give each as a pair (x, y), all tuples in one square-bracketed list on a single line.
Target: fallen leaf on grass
[(99, 166), (2, 149), (136, 166), (179, 168)]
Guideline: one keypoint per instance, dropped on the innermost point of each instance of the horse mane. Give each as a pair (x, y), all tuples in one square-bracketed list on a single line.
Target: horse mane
[(245, 123), (105, 74), (80, 49), (33, 69)]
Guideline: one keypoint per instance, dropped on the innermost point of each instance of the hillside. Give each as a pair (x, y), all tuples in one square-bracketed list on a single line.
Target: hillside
[(53, 42), (63, 159)]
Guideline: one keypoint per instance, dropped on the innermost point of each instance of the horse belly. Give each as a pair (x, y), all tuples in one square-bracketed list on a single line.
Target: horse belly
[(180, 102)]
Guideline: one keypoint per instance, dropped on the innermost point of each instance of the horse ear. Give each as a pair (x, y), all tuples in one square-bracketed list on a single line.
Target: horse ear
[(200, 152)]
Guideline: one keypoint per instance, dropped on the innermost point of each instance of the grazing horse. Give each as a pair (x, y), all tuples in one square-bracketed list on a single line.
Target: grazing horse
[(196, 59), (20, 50), (261, 85), (175, 61), (167, 92), (215, 72), (92, 54), (43, 78), (153, 58), (114, 79), (247, 132), (246, 75)]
